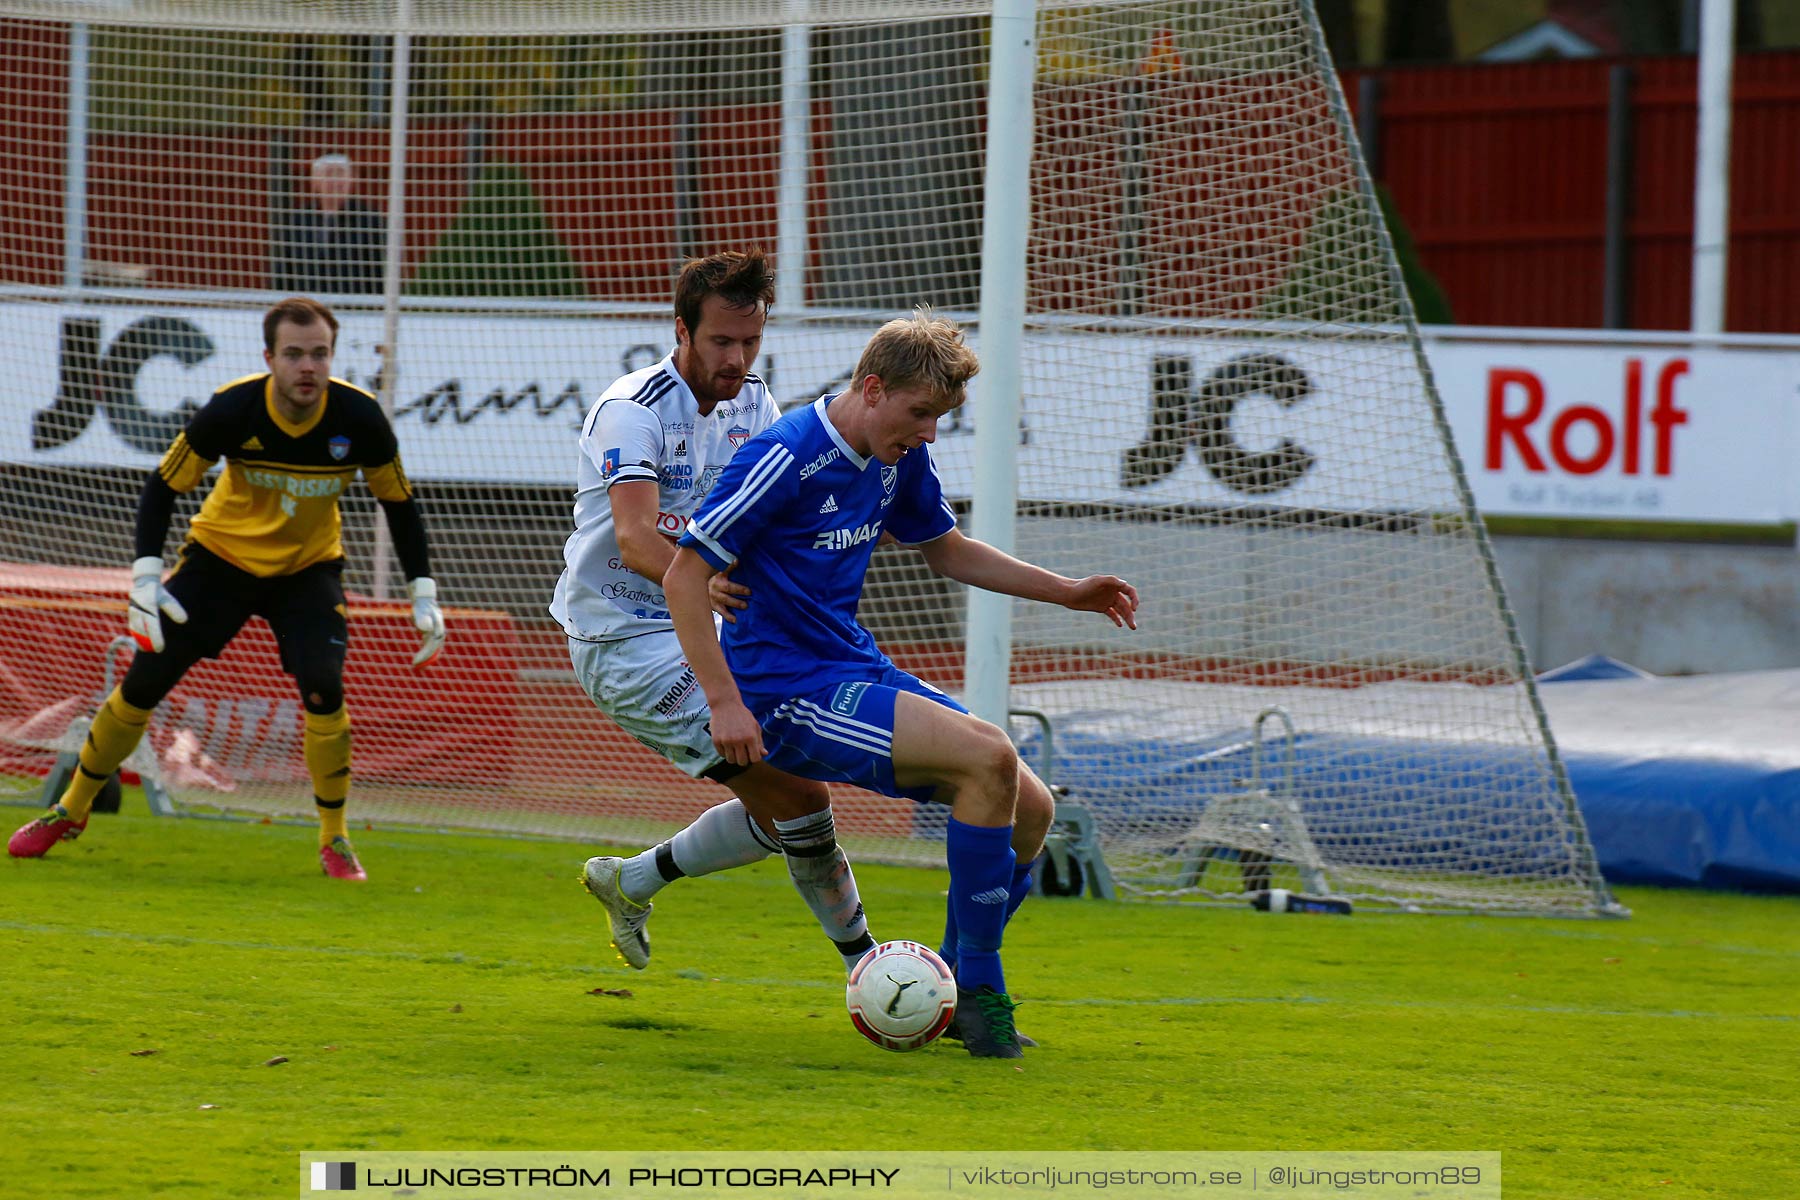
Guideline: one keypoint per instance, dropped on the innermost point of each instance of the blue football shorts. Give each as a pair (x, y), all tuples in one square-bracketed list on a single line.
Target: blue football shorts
[(844, 732)]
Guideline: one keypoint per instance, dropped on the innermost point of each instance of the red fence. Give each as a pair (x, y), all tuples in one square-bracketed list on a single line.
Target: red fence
[(1500, 173), (1498, 170)]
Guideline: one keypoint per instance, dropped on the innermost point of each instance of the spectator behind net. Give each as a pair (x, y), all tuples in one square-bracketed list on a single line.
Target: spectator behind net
[(333, 242)]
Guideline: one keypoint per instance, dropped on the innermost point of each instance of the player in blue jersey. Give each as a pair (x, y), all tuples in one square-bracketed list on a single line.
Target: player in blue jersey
[(797, 683), (651, 446)]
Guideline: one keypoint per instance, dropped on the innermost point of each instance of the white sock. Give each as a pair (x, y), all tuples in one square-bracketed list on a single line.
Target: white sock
[(821, 874), (722, 837)]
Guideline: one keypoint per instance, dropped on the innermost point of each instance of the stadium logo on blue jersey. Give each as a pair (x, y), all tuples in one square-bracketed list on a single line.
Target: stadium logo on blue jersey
[(609, 463), (847, 697), (844, 539), (340, 448), (819, 464), (737, 435), (888, 477)]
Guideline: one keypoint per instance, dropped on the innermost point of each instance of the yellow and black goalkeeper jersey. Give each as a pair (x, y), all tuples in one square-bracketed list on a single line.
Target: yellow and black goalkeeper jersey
[(274, 509)]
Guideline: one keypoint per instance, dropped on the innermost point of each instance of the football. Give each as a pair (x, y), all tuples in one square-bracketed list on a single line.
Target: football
[(901, 996)]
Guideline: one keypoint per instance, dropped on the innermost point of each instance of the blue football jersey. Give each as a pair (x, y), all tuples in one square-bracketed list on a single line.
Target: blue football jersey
[(800, 513)]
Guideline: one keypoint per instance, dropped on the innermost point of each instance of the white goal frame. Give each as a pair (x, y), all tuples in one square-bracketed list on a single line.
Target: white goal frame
[(997, 678)]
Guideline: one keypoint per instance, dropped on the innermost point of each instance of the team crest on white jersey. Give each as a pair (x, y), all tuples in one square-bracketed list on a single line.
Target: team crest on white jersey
[(737, 435)]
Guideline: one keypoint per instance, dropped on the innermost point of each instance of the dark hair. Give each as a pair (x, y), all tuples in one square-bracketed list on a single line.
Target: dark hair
[(740, 278), (300, 310)]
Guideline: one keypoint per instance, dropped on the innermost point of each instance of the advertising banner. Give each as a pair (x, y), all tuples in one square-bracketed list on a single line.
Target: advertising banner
[(1648, 431), (1652, 431)]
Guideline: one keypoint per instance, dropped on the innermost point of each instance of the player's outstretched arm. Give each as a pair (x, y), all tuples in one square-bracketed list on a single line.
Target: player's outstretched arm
[(981, 565), (734, 730), (1108, 595), (407, 526), (150, 601)]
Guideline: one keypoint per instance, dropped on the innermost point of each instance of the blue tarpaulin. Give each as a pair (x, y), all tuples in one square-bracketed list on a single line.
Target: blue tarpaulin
[(1681, 781), (1685, 780)]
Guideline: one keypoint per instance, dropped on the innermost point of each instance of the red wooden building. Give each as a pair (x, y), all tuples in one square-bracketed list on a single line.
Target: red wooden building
[(1499, 171)]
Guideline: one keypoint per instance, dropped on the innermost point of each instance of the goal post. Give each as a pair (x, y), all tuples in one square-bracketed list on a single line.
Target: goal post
[(1218, 393), (1006, 221)]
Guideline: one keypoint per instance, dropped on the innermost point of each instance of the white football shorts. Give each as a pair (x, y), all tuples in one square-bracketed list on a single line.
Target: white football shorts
[(645, 685)]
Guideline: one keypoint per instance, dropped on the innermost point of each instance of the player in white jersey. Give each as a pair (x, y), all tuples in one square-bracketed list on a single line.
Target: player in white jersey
[(651, 447), (799, 684)]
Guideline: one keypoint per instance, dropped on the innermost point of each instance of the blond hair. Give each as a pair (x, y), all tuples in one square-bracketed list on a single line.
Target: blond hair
[(920, 351)]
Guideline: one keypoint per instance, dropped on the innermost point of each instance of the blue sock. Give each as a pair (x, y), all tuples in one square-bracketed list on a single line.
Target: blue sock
[(981, 868), (1016, 893), (1021, 886)]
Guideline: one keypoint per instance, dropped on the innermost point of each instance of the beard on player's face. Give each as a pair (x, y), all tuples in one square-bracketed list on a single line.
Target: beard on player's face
[(716, 356)]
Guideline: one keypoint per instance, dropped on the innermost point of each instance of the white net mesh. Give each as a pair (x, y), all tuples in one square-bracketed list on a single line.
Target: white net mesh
[(1223, 402)]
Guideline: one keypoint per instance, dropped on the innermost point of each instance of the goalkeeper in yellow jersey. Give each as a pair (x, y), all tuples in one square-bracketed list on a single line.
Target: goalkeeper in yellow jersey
[(265, 543)]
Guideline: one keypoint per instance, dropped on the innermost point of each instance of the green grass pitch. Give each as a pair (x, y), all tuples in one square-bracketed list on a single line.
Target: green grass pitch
[(457, 1001)]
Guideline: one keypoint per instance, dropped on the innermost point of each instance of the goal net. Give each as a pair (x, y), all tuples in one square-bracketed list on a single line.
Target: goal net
[(1224, 400)]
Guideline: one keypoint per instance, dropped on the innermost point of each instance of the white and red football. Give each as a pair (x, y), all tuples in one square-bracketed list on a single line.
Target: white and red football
[(901, 996)]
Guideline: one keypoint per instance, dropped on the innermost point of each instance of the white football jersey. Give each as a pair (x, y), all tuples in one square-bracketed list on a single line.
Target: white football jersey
[(647, 425)]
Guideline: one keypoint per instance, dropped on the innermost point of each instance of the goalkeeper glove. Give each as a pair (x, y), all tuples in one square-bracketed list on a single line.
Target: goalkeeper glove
[(150, 601), (428, 619)]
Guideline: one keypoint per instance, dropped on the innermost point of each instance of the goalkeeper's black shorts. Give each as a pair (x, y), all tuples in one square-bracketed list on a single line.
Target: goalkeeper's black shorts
[(305, 611)]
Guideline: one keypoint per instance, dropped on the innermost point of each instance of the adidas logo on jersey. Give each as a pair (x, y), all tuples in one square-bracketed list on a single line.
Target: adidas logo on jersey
[(830, 505), (255, 443)]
